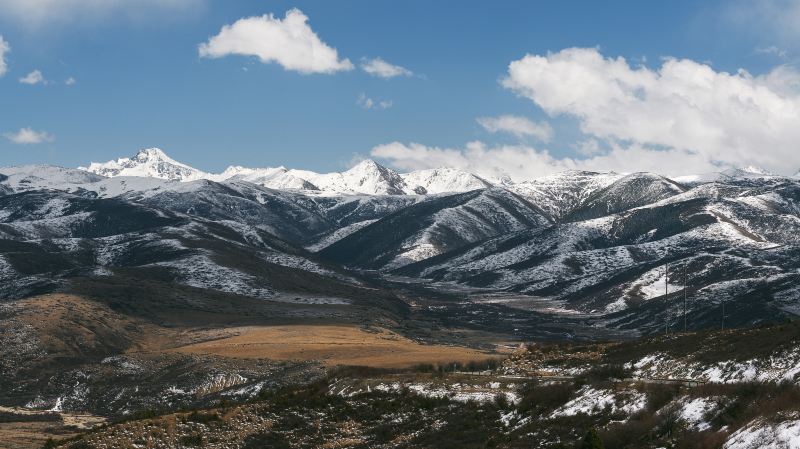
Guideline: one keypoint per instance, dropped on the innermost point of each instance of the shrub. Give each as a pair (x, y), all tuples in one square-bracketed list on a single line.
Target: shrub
[(81, 445), (268, 440), (605, 373), (537, 399), (194, 440), (203, 418)]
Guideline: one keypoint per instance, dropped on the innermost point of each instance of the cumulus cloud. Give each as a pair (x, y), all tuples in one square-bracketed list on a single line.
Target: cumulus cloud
[(682, 108), (27, 136), (33, 78), (380, 68), (4, 48), (70, 81), (368, 103), (38, 12), (517, 126), (289, 42)]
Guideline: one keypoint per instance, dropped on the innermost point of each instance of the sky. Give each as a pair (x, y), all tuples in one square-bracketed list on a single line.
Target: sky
[(515, 88)]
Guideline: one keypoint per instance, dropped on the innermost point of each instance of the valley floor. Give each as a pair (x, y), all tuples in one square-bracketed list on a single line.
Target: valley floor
[(333, 346)]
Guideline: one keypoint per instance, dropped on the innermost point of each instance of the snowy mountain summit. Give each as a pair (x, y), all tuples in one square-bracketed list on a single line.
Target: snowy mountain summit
[(149, 163)]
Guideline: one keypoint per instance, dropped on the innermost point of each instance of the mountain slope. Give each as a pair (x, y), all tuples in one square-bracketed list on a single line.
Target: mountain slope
[(435, 226), (559, 194), (627, 192), (742, 249), (49, 238)]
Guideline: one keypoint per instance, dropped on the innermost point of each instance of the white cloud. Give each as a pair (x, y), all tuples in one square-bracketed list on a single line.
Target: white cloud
[(522, 162), (4, 48), (33, 78), (688, 108), (368, 103), (70, 81), (518, 126), (39, 12), (380, 68), (773, 50), (27, 136), (589, 147), (289, 42), (777, 19)]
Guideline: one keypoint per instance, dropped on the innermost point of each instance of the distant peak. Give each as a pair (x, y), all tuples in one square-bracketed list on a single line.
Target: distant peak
[(367, 164), (757, 170), (151, 154)]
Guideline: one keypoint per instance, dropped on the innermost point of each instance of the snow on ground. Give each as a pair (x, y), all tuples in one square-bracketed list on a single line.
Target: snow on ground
[(461, 392), (218, 382), (125, 185), (695, 412), (51, 227), (108, 250), (45, 177), (202, 272), (337, 235), (123, 364), (616, 306), (444, 180), (590, 401), (651, 284), (300, 263), (52, 208), (760, 434), (420, 251), (780, 366), (7, 272)]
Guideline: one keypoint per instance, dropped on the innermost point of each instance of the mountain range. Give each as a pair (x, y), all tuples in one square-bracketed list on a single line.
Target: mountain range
[(97, 262), (366, 177), (599, 245)]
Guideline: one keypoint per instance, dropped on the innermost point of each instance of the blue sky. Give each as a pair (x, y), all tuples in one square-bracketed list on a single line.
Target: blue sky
[(140, 82)]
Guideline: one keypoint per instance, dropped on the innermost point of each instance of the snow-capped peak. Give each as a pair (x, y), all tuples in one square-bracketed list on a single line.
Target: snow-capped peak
[(751, 171), (443, 180), (150, 163), (366, 177), (148, 154), (730, 174)]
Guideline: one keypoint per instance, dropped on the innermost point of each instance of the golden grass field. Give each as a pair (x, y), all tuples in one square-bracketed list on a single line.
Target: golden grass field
[(31, 435), (333, 345)]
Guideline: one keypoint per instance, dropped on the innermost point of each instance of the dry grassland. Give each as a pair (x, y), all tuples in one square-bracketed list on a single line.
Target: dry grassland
[(333, 345)]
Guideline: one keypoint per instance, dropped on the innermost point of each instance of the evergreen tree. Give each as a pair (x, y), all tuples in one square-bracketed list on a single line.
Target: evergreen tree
[(592, 440)]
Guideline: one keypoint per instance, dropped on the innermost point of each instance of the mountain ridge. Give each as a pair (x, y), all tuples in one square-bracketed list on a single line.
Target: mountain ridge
[(365, 178)]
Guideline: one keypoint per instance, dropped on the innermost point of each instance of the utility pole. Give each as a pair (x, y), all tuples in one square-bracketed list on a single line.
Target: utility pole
[(723, 313), (666, 298), (685, 292)]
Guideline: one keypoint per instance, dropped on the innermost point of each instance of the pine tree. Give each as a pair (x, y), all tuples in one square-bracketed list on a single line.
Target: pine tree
[(592, 440)]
